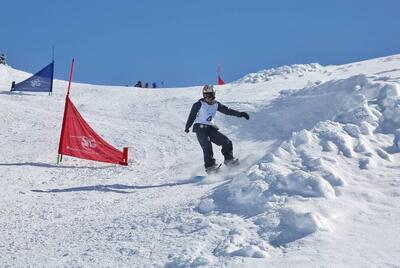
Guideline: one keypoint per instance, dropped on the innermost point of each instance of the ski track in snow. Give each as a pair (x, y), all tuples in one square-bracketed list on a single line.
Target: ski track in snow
[(318, 175)]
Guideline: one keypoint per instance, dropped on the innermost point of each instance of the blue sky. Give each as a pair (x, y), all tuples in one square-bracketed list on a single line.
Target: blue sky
[(181, 42)]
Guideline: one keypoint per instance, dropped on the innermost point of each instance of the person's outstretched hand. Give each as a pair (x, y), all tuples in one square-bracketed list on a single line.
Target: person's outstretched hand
[(187, 130), (245, 115)]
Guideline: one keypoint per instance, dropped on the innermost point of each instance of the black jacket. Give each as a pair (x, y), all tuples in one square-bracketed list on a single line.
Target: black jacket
[(196, 107)]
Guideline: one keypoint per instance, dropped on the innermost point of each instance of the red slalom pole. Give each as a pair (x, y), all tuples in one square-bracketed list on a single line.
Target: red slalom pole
[(59, 156), (220, 80), (70, 75)]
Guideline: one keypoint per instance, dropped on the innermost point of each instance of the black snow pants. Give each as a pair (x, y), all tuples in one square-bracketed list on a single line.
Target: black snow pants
[(206, 135)]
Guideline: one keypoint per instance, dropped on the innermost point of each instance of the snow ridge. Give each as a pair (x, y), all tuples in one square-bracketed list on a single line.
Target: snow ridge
[(283, 72)]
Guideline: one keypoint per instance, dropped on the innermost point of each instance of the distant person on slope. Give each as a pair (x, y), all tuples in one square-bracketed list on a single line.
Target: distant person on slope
[(202, 114), (138, 84), (3, 59)]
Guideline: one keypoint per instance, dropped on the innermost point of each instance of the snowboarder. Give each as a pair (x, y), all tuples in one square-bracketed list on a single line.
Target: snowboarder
[(202, 114)]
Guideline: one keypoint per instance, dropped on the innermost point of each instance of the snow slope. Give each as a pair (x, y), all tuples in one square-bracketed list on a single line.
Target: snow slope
[(317, 187)]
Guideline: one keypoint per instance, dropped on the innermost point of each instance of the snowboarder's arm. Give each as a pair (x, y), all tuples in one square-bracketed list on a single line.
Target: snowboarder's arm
[(228, 111), (192, 115)]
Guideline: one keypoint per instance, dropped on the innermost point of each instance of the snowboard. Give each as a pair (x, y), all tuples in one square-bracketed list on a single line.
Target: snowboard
[(228, 167), (214, 171)]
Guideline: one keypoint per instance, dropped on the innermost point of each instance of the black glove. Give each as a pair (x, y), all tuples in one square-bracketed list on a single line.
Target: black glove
[(187, 130), (245, 115)]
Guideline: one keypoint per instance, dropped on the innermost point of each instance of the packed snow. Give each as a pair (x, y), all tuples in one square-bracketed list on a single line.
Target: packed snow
[(318, 184)]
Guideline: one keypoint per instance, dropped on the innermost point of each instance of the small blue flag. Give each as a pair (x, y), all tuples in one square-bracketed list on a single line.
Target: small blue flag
[(42, 81)]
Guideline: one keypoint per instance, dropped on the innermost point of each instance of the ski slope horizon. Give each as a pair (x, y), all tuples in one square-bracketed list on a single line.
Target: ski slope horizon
[(317, 185)]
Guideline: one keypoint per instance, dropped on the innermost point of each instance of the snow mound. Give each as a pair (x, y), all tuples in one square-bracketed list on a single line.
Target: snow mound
[(239, 243), (181, 262), (293, 226), (332, 123), (283, 72)]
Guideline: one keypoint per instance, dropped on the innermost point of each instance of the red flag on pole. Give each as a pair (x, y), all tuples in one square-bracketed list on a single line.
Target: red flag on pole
[(79, 140), (220, 81)]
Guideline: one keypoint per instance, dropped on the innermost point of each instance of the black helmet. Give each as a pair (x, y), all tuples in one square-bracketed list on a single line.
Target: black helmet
[(208, 90)]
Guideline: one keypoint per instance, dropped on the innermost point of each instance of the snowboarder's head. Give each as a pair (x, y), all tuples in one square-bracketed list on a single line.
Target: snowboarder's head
[(209, 93)]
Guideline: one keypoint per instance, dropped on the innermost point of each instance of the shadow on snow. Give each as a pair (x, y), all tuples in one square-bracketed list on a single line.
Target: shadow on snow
[(46, 165), (118, 188)]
